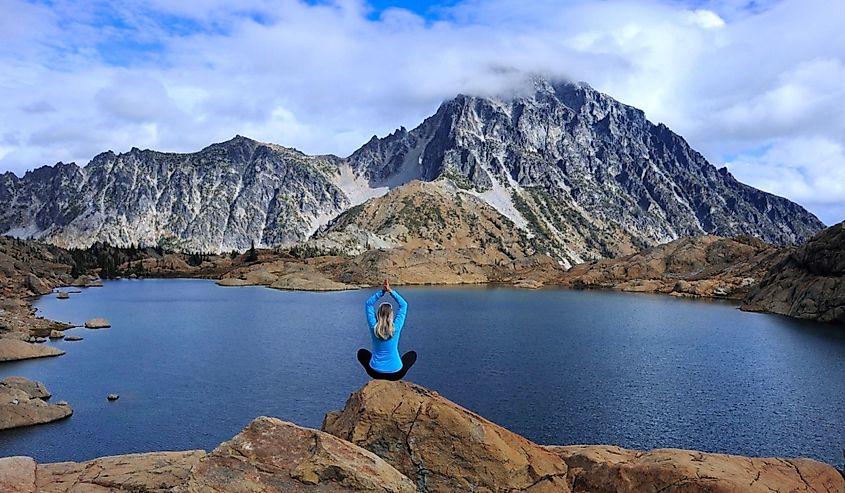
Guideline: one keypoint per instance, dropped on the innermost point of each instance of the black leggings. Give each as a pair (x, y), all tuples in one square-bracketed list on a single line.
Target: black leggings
[(408, 360)]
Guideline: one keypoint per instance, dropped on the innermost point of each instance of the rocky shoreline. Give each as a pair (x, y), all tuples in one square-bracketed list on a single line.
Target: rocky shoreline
[(23, 402), (401, 437)]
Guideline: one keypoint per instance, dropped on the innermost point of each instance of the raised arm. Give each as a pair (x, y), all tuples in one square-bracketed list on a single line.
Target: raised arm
[(399, 320), (370, 307)]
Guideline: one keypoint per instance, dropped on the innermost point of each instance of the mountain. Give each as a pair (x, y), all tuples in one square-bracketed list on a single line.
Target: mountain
[(590, 174), (580, 174), (220, 198)]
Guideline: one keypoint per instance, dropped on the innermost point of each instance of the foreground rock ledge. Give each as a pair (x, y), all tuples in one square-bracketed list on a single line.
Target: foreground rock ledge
[(609, 468), (400, 437), (444, 447)]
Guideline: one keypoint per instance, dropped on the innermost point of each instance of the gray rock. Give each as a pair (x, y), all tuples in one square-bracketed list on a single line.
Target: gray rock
[(73, 338)]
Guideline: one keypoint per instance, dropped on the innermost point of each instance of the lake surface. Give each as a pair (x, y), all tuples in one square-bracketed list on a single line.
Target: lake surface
[(194, 363)]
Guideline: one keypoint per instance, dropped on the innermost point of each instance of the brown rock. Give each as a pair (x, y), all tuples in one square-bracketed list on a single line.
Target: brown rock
[(17, 475), (86, 281), (229, 281), (441, 446), (809, 283), (151, 472), (707, 266), (309, 281), (605, 468), (62, 295), (57, 334), (21, 405), (35, 390), (271, 455), (37, 286), (97, 323), (14, 349)]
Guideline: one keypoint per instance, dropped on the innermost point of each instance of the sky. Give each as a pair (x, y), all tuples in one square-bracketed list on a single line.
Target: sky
[(757, 86)]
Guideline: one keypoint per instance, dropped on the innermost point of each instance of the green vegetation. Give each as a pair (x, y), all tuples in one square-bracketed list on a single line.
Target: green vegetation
[(108, 260), (250, 255), (302, 251)]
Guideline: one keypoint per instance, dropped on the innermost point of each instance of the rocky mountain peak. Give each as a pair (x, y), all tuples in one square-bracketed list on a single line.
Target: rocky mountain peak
[(587, 176)]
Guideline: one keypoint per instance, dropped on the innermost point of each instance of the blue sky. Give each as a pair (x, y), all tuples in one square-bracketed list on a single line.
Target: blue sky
[(755, 86)]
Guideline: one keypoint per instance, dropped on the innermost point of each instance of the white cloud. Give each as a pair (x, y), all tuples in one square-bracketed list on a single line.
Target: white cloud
[(729, 75), (810, 170)]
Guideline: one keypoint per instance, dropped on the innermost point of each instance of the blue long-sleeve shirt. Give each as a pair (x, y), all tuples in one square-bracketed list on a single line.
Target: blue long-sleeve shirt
[(386, 353)]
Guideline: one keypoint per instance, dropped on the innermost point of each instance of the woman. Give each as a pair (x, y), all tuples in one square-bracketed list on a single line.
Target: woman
[(384, 362)]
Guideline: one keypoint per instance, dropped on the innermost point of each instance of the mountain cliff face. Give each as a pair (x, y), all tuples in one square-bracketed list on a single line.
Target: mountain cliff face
[(586, 172), (581, 174), (217, 199)]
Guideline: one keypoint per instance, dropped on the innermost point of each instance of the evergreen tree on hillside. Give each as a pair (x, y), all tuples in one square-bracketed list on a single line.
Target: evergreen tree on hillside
[(251, 255)]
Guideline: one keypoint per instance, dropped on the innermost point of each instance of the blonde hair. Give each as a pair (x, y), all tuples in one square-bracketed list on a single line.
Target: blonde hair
[(384, 322)]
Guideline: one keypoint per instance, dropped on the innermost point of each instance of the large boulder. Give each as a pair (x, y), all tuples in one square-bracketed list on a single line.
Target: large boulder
[(15, 349), (150, 472), (37, 286), (97, 323), (23, 403), (441, 446), (271, 455), (604, 468)]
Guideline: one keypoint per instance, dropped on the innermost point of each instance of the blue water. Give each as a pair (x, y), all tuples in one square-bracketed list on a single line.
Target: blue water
[(194, 363)]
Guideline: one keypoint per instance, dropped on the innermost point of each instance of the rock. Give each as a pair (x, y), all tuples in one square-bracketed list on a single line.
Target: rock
[(260, 276), (35, 390), (17, 475), (22, 404), (309, 281), (40, 340), (706, 266), (57, 334), (14, 349), (62, 295), (86, 281), (271, 455), (73, 338), (113, 397), (37, 286), (609, 468), (809, 283), (441, 446), (97, 323), (153, 472), (528, 284), (232, 282), (721, 291)]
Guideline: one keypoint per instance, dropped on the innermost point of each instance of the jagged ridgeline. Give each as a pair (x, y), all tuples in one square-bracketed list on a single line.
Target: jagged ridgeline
[(578, 173)]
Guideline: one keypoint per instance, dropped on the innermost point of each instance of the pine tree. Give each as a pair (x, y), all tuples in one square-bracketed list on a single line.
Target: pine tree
[(251, 256)]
